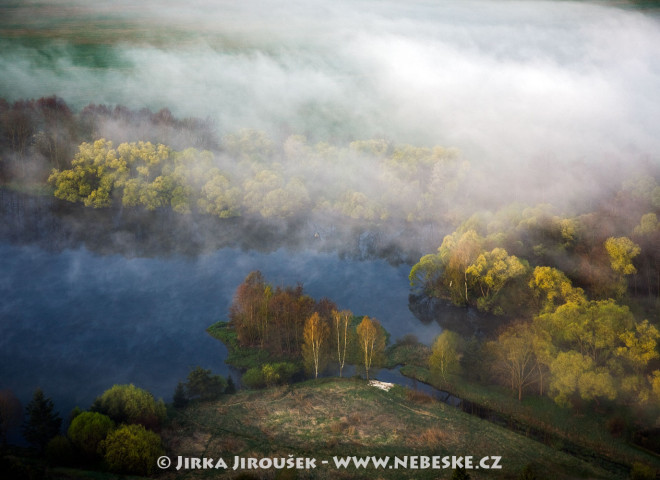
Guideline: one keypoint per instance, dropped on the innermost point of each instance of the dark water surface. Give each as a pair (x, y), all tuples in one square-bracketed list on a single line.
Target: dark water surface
[(75, 322)]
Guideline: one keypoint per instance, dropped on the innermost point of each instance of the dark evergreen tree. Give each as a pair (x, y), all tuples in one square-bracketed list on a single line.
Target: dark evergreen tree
[(41, 423), (180, 399), (231, 387)]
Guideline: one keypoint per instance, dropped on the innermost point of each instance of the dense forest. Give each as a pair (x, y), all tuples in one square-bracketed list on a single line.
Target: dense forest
[(106, 156), (572, 301)]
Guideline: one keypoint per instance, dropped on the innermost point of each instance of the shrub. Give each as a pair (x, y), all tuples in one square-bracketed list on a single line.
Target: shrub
[(203, 385), (132, 449), (59, 451), (253, 378), (270, 374), (88, 430), (130, 404), (641, 471)]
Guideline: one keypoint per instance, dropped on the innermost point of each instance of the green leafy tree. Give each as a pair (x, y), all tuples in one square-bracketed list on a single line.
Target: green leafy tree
[(253, 378), (203, 385), (552, 288), (648, 224), (88, 430), (219, 197), (445, 274), (515, 357), (130, 404), (654, 380), (426, 275), (132, 449), (42, 423), (458, 254), (639, 346), (574, 374), (491, 272), (269, 374), (446, 354), (593, 328), (249, 146), (622, 251)]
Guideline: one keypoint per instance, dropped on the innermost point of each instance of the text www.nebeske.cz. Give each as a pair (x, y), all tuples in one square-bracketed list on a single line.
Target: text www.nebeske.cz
[(421, 462)]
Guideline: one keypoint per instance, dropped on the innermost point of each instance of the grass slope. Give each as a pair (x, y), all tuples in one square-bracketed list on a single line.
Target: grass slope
[(329, 417)]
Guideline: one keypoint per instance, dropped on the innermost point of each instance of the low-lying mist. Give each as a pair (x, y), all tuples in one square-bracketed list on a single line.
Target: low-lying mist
[(506, 82)]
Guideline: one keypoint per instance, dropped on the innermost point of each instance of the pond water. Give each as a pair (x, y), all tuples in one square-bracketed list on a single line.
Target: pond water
[(75, 322)]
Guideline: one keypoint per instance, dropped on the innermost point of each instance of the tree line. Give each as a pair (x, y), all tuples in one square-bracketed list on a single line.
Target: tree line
[(37, 135), (576, 299), (253, 176), (490, 260), (287, 323), (106, 155)]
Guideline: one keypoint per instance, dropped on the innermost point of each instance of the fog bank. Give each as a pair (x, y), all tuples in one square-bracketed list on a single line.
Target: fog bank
[(506, 82)]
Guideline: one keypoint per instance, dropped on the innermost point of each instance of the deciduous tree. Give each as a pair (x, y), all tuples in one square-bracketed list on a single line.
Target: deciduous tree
[(446, 354), (130, 404), (88, 430), (372, 342), (341, 321), (515, 356), (132, 449), (314, 347), (491, 272)]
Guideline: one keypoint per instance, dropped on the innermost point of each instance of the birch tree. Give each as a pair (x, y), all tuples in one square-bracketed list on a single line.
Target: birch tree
[(372, 341), (315, 335), (341, 321)]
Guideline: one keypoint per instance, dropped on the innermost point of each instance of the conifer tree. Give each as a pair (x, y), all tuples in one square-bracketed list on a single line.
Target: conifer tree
[(42, 423)]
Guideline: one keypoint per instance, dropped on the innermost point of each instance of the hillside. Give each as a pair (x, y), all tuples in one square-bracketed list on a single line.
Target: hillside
[(345, 417)]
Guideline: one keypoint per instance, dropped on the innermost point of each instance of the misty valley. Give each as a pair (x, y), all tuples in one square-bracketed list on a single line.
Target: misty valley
[(276, 235)]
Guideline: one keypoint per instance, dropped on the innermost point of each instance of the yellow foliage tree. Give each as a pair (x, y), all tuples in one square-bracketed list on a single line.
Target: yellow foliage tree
[(372, 341), (315, 335), (341, 321)]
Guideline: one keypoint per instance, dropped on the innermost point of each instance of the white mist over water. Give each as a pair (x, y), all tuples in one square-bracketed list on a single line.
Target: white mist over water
[(74, 323)]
